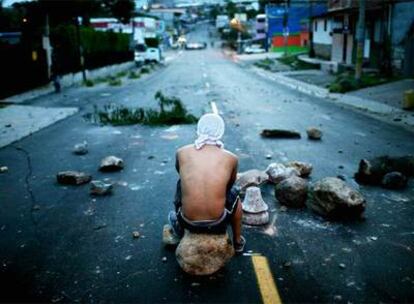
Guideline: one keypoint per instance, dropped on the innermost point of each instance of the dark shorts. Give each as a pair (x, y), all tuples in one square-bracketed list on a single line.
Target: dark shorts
[(208, 226)]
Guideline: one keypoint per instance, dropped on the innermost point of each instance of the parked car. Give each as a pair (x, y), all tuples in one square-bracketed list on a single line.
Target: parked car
[(196, 46), (254, 49), (139, 54), (153, 54)]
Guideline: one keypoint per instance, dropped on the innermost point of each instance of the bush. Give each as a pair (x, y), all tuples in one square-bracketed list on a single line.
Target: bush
[(115, 82), (172, 111), (133, 75), (88, 83), (145, 70)]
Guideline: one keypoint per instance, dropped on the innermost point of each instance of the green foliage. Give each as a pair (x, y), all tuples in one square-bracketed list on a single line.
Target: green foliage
[(172, 111), (115, 82), (145, 70), (345, 82), (296, 64), (88, 83), (121, 74), (133, 75), (152, 42), (264, 64)]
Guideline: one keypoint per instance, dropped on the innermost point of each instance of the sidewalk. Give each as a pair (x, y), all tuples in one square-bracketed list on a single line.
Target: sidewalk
[(381, 102), (20, 121)]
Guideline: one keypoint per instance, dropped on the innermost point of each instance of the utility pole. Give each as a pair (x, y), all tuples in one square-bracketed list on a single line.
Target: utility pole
[(310, 26), (47, 47), (286, 26), (80, 49), (360, 41)]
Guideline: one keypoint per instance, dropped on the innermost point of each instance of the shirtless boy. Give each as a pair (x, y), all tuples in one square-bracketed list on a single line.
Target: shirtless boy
[(206, 200)]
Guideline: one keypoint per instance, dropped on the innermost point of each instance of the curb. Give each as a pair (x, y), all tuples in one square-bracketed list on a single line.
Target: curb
[(367, 107)]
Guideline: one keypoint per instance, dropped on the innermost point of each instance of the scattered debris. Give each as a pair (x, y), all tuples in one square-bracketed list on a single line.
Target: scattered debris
[(136, 234), (268, 156), (100, 188), (283, 209), (4, 169), (278, 133), (314, 133), (332, 198), (195, 284), (287, 264), (278, 172), (203, 254), (164, 259), (8, 125), (342, 265), (255, 209), (81, 149), (304, 169), (73, 178), (292, 192), (111, 163), (374, 238), (251, 178)]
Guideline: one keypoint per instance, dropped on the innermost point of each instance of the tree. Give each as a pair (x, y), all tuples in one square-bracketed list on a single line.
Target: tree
[(123, 10), (360, 41)]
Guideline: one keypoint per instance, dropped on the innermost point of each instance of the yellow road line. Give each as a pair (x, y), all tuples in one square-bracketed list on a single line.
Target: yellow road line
[(267, 285)]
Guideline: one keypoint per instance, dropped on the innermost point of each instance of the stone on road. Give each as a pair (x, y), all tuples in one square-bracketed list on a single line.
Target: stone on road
[(111, 163), (73, 178), (333, 198)]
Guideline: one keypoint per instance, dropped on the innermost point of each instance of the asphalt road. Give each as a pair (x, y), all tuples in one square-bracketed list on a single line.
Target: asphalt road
[(60, 244)]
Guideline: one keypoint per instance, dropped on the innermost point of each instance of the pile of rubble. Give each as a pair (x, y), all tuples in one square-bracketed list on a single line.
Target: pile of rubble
[(330, 197), (97, 187)]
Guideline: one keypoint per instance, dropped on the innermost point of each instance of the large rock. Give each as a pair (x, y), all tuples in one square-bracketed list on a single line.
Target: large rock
[(333, 198), (100, 188), (111, 163), (256, 219), (203, 254), (314, 133), (251, 178), (73, 178), (292, 192), (278, 172), (394, 180), (304, 169)]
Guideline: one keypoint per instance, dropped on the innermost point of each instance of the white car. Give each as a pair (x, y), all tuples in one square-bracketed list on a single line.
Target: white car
[(139, 54), (153, 55), (254, 49)]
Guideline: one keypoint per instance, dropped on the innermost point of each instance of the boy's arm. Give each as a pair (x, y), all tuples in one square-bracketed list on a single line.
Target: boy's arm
[(233, 173)]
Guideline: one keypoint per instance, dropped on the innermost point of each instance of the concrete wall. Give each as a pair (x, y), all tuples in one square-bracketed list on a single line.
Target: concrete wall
[(70, 80), (322, 50), (402, 19), (320, 35), (401, 22)]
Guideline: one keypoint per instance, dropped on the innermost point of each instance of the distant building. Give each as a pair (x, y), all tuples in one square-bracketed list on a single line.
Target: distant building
[(389, 34), (291, 23)]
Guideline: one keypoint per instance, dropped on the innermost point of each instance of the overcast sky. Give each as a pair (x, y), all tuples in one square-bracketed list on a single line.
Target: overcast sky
[(10, 2)]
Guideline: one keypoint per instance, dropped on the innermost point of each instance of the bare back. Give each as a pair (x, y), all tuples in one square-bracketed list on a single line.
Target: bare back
[(205, 174)]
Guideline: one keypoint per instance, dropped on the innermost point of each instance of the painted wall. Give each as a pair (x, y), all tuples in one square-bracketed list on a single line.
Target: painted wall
[(297, 22), (320, 35)]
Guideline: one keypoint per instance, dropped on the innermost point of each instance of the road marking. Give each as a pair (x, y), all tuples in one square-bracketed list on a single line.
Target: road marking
[(265, 280), (214, 107)]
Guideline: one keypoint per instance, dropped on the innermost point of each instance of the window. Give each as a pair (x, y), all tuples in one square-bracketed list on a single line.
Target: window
[(325, 25), (316, 25), (260, 31)]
